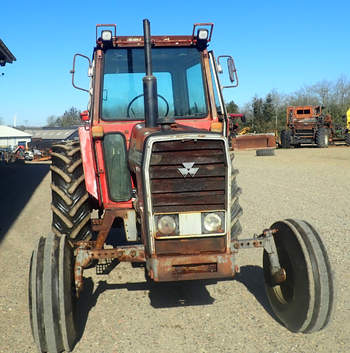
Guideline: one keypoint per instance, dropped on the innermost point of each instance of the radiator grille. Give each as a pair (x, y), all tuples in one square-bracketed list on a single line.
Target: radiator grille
[(172, 192), (304, 132)]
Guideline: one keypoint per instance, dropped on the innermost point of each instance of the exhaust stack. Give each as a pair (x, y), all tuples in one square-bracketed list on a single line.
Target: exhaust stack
[(149, 81)]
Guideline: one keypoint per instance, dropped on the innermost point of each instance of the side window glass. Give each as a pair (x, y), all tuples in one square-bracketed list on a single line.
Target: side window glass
[(196, 97)]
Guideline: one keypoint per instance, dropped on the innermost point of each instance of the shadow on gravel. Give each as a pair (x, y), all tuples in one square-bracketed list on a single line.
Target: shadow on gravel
[(253, 279), (18, 182), (172, 294), (162, 295)]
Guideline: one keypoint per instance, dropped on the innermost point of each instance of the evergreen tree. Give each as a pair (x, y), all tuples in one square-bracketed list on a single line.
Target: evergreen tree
[(69, 118), (232, 108)]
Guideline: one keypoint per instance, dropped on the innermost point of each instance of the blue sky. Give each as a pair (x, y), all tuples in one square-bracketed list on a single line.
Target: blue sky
[(280, 45)]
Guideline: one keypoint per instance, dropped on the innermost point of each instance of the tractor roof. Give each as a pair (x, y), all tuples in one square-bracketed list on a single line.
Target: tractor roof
[(160, 41)]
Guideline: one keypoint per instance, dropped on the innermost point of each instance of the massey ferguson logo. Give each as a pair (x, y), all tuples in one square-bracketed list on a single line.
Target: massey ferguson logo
[(188, 169)]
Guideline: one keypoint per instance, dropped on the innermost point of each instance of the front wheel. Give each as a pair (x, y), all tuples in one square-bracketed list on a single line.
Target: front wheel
[(285, 139), (304, 301), (322, 137), (52, 296)]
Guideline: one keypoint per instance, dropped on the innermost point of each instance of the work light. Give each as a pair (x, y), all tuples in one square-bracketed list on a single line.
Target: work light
[(106, 35), (202, 34)]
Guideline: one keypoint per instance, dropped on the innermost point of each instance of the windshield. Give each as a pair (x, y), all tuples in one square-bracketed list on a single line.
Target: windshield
[(179, 81)]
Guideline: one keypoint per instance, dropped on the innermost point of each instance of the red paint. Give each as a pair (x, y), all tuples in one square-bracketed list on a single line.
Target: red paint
[(88, 160)]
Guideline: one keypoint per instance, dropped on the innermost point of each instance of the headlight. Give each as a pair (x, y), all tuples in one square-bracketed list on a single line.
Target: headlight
[(212, 222), (166, 225)]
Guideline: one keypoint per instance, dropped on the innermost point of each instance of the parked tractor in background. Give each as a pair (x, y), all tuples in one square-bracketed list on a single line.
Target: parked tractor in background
[(154, 159), (307, 125)]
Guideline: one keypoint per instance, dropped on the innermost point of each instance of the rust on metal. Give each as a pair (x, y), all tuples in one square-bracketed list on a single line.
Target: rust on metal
[(269, 231), (103, 226), (122, 253), (86, 251), (253, 141), (82, 260), (190, 246), (195, 268), (190, 267), (279, 276)]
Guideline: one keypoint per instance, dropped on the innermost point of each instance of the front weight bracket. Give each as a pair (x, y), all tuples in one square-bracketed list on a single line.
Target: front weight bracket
[(266, 241)]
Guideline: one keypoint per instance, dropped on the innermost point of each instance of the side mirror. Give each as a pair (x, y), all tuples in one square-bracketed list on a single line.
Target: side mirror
[(73, 71), (232, 72)]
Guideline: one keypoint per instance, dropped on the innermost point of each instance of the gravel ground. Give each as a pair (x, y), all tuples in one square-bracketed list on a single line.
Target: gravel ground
[(121, 313)]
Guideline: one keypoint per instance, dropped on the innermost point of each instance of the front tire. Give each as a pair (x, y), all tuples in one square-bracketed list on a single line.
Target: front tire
[(70, 206), (304, 301), (52, 295), (322, 138), (285, 139)]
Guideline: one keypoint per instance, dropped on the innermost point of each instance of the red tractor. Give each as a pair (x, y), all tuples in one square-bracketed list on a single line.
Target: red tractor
[(153, 159)]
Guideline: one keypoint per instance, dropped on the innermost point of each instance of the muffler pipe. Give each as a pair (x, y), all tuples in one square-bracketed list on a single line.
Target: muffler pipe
[(149, 81)]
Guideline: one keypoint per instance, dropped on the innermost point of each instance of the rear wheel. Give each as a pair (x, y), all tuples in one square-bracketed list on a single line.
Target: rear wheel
[(322, 137), (347, 139), (304, 301), (285, 139), (70, 201), (52, 295)]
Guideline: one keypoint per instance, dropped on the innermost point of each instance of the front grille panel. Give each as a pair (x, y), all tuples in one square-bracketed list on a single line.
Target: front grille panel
[(304, 132), (172, 192)]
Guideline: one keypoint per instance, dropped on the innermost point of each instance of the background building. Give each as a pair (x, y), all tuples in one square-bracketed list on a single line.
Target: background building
[(45, 137), (5, 55), (13, 137)]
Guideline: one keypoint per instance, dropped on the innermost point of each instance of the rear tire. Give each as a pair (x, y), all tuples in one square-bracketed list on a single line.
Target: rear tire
[(52, 295), (322, 137), (304, 301), (285, 139), (70, 206), (236, 209), (347, 139)]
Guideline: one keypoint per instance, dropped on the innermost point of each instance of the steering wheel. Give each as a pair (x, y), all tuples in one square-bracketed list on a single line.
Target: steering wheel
[(141, 95)]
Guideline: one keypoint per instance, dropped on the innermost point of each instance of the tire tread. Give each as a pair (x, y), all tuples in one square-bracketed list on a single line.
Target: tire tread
[(71, 208)]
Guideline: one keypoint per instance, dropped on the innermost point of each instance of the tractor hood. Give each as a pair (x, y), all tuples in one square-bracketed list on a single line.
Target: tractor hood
[(141, 133)]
